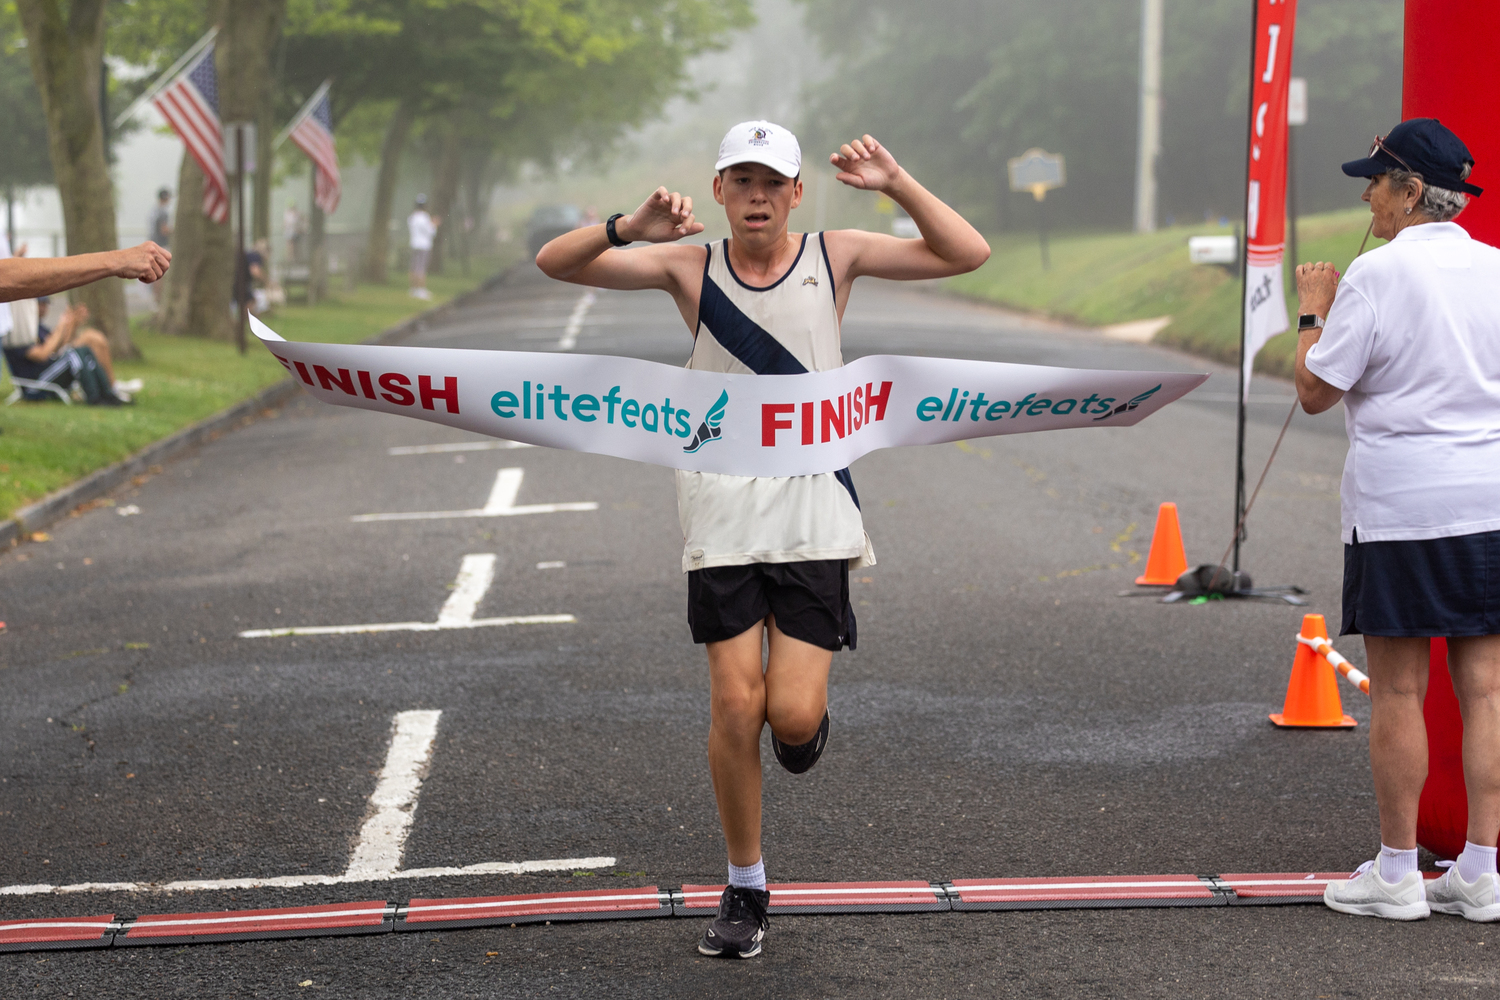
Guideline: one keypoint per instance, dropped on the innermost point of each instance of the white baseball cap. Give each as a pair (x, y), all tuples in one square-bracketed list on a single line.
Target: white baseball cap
[(761, 142)]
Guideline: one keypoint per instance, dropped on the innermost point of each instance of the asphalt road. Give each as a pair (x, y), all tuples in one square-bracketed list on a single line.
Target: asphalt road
[(1007, 712)]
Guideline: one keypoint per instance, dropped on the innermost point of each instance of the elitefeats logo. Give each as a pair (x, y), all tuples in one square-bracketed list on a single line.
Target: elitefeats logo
[(1129, 405), (709, 429), (760, 137)]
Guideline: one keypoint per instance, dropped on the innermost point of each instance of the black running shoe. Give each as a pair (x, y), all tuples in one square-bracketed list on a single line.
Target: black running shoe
[(800, 759), (740, 928)]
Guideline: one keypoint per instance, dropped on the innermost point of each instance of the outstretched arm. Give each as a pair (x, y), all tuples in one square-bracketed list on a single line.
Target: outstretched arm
[(23, 278), (948, 244), (586, 257)]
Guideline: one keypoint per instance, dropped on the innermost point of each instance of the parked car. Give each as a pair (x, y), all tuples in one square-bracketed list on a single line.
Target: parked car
[(549, 222)]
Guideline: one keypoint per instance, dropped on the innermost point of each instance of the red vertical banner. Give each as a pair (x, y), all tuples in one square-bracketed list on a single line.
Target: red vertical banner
[(1265, 200), (1450, 74)]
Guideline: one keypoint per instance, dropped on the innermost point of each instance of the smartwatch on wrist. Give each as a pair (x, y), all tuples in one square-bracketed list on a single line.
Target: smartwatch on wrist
[(1309, 321), (609, 230)]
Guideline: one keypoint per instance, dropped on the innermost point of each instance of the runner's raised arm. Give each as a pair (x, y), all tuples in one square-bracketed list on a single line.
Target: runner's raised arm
[(948, 244), (585, 256)]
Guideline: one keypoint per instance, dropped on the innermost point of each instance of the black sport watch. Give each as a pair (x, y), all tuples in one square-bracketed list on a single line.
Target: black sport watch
[(1309, 321), (609, 231)]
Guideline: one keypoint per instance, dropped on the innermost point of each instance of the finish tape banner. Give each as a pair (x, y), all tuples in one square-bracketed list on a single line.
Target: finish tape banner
[(742, 425)]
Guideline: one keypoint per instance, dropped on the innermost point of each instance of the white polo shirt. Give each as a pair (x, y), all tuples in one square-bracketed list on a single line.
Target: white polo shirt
[(422, 229), (1413, 339)]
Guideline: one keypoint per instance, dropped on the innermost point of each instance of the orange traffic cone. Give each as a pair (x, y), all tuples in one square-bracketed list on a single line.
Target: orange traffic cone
[(1167, 559), (1312, 695)]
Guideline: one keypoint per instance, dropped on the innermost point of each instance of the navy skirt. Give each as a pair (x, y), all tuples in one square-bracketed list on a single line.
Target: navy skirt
[(1423, 587)]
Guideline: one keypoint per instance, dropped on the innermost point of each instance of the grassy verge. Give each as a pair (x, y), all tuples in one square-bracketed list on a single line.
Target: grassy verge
[(1099, 279), (45, 446)]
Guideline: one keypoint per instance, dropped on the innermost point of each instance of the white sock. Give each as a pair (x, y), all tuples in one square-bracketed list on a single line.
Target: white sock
[(754, 876), (1396, 865), (1475, 861)]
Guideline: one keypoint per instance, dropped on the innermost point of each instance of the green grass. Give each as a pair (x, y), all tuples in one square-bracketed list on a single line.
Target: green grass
[(45, 446), (1103, 278)]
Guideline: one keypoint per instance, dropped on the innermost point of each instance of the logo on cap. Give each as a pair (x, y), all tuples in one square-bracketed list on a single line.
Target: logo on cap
[(760, 137)]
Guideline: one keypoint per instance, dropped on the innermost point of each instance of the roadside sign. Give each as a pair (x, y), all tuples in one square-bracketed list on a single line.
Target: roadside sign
[(1213, 249), (1037, 171), (1296, 101)]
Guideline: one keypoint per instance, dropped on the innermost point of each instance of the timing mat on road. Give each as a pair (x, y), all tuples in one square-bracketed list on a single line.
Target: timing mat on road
[(382, 916)]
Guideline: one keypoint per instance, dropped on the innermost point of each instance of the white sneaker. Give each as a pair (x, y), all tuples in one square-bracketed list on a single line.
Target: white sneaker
[(1366, 894), (1478, 900)]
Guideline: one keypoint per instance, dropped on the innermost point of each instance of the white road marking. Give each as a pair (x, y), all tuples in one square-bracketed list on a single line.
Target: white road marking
[(556, 564), (438, 449), (293, 881), (383, 837), (502, 503), (475, 575), (575, 322)]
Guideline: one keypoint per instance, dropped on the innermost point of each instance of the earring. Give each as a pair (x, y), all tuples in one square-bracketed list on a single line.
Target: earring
[(1408, 209)]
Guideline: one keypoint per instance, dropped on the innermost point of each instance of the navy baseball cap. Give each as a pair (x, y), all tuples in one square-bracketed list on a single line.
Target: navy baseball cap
[(1423, 146)]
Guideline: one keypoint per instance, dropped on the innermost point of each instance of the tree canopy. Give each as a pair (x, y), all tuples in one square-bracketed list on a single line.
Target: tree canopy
[(957, 87)]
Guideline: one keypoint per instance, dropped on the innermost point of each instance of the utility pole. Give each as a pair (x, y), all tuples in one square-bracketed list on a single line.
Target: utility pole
[(1148, 141)]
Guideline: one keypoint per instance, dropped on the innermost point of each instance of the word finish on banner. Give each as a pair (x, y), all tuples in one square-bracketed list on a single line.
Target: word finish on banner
[(743, 425)]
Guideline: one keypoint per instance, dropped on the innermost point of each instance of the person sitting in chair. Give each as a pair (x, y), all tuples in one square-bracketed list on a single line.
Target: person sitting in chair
[(68, 352)]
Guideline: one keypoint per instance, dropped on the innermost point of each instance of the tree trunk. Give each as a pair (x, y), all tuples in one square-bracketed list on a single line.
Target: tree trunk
[(474, 212), (444, 197), (317, 249), (378, 249), (196, 302), (66, 51)]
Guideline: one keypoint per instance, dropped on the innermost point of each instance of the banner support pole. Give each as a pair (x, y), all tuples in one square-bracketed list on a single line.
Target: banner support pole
[(1244, 380)]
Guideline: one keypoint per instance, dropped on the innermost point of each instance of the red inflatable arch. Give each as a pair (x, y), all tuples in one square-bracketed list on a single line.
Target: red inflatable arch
[(1449, 73)]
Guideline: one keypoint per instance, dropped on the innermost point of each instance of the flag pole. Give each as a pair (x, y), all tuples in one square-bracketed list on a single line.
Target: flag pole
[(166, 77), (306, 110), (1244, 379)]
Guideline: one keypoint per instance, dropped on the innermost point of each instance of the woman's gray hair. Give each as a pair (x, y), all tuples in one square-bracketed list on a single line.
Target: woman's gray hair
[(1438, 204)]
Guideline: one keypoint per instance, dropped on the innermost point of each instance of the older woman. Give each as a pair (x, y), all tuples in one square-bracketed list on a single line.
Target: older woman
[(1411, 345)]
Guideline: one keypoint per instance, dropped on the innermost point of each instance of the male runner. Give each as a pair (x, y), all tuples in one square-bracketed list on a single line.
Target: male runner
[(767, 559)]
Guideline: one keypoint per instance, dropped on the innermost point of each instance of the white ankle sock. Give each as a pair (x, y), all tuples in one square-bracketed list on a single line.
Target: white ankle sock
[(754, 876), (1475, 861), (1396, 865)]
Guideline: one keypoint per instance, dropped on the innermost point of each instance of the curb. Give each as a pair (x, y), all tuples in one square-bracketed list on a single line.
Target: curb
[(100, 482)]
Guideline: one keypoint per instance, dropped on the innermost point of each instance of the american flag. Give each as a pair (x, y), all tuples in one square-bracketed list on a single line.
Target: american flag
[(190, 104), (313, 134)]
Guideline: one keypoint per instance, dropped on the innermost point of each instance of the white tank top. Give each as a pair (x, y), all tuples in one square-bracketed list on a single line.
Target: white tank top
[(788, 327)]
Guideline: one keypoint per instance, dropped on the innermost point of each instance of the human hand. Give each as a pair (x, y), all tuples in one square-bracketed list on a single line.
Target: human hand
[(1317, 283), (866, 164), (147, 262), (662, 218)]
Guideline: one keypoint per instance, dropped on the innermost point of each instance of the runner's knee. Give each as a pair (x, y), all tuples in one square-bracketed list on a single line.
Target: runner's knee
[(794, 723)]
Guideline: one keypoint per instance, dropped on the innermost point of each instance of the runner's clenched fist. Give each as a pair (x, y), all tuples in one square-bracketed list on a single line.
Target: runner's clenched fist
[(662, 218)]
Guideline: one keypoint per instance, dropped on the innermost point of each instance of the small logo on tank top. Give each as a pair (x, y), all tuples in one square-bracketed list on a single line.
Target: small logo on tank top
[(810, 280)]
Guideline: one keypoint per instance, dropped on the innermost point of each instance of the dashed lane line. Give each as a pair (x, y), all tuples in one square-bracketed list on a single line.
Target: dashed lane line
[(501, 503), (569, 338), (475, 575)]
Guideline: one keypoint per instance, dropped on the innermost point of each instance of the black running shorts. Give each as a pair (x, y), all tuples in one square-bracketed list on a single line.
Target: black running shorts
[(809, 599)]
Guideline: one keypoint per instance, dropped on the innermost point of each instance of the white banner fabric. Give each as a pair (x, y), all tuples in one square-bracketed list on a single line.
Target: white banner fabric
[(1265, 312), (742, 425)]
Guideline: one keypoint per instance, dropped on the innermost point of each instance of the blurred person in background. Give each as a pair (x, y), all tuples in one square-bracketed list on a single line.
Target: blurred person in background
[(62, 355), (292, 228), (1409, 340), (767, 559), (159, 225), (421, 228)]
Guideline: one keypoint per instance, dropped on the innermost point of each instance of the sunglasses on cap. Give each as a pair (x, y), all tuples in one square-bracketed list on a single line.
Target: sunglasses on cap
[(1379, 144)]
